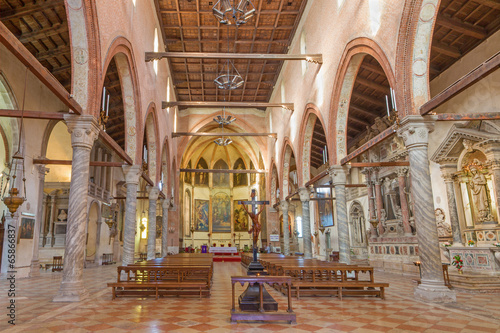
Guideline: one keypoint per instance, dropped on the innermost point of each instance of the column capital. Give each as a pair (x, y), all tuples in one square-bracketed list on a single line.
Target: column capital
[(304, 194), (402, 171), (284, 205), (132, 173), (166, 203), (153, 192), (415, 131), (42, 170), (338, 174), (447, 172), (83, 129)]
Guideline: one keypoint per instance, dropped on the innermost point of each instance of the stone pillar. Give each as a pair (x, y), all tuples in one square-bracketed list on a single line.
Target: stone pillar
[(132, 175), (153, 197), (405, 211), (338, 174), (492, 150), (380, 204), (11, 223), (286, 231), (415, 132), (35, 263), (52, 216), (447, 173), (495, 171), (164, 227), (371, 202), (84, 131), (306, 222)]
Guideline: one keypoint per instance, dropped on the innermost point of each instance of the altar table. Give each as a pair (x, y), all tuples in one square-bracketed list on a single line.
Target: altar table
[(223, 250)]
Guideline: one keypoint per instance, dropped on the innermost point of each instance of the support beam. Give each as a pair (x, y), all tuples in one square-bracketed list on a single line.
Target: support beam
[(333, 186), (222, 171), (466, 81), (287, 106), (32, 114), (107, 140), (371, 143), (378, 164), (448, 50), (69, 162), (462, 27), (316, 199), (23, 55), (316, 178), (179, 134), (314, 58), (467, 116)]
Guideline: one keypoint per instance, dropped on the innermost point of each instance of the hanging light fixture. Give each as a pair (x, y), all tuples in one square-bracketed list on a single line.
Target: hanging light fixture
[(13, 200), (229, 77), (223, 120), (233, 12), (223, 141)]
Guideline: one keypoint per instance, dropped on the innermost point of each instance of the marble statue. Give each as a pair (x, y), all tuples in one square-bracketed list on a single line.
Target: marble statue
[(478, 186), (444, 229)]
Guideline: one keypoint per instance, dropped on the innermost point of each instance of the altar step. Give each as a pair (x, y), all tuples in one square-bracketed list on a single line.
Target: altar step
[(475, 283), (227, 258)]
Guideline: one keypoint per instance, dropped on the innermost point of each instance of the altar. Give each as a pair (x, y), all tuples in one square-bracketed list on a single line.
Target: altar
[(223, 250)]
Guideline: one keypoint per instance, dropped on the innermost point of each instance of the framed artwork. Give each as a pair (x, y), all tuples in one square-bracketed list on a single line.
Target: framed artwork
[(201, 178), (220, 179), (221, 213), (201, 215), (240, 217), (325, 210), (240, 179), (27, 228), (187, 175)]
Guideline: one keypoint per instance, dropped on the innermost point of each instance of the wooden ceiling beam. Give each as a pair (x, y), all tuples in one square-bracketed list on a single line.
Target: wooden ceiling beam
[(222, 171), (373, 68), (363, 111), (356, 120), (264, 11), (179, 134), (47, 32), (61, 50), (315, 58), (110, 142), (29, 9), (489, 3), (288, 106), (241, 27), (448, 50), (373, 85), (368, 145), (23, 55), (32, 114), (461, 27), (47, 161), (369, 99)]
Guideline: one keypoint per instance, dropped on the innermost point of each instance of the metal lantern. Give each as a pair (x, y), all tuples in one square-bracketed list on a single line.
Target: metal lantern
[(237, 12)]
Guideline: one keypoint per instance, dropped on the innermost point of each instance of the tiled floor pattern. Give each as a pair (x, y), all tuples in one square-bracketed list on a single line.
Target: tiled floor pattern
[(398, 313)]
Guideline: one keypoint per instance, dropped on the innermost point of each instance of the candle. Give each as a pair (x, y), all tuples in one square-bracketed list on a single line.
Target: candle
[(326, 155), (107, 108), (103, 96), (145, 154), (387, 104), (395, 107)]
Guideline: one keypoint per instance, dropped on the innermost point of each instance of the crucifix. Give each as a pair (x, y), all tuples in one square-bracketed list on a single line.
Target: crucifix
[(255, 219)]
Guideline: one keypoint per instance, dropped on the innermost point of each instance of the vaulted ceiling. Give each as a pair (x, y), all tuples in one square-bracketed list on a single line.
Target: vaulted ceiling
[(189, 26), (42, 27)]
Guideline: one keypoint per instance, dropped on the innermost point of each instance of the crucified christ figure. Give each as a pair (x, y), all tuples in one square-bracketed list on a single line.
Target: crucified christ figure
[(255, 224)]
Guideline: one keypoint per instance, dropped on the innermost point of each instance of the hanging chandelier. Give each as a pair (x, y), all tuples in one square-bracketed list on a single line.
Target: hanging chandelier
[(229, 77), (235, 11), (223, 141), (223, 120)]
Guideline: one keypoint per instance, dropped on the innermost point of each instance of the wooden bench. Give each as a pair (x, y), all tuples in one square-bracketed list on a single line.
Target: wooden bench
[(57, 263), (446, 275), (107, 259), (161, 281)]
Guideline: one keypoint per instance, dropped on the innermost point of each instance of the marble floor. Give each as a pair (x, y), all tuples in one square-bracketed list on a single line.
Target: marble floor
[(35, 312)]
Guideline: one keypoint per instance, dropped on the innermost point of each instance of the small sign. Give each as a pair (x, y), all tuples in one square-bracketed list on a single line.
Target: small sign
[(274, 238)]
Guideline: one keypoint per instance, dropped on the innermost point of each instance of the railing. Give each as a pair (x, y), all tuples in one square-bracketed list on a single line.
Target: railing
[(99, 193)]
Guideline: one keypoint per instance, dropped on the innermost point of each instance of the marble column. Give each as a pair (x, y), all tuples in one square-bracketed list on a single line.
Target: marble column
[(495, 171), (405, 211), (35, 263), (447, 174), (304, 194), (380, 204), (50, 234), (132, 175), (491, 148), (165, 204), (11, 223), (153, 197), (338, 174), (415, 131), (286, 231), (371, 202), (84, 130)]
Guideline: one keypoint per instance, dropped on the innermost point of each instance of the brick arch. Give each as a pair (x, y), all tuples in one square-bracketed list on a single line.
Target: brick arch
[(286, 153), (308, 119), (352, 57), (121, 50), (151, 125)]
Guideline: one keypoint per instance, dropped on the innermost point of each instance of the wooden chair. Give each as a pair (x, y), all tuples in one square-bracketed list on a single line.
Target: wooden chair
[(57, 263)]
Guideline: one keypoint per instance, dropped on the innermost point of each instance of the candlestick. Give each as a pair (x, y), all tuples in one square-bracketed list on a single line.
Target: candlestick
[(387, 104), (107, 108), (103, 96)]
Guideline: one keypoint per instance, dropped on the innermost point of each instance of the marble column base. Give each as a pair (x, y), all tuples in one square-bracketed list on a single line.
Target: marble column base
[(434, 292), (71, 291), (35, 268)]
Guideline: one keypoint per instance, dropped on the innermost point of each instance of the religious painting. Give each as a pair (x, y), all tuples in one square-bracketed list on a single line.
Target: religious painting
[(27, 228), (201, 178), (187, 175), (221, 213), (240, 217), (240, 179), (201, 214), (220, 179), (325, 210), (253, 176)]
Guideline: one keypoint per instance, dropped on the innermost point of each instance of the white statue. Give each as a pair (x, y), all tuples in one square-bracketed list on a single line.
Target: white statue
[(443, 228), (478, 186)]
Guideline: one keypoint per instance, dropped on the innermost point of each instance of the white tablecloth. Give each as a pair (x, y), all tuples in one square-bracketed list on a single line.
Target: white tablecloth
[(223, 250)]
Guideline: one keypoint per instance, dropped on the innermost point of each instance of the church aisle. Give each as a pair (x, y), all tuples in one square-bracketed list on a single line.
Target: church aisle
[(398, 313)]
